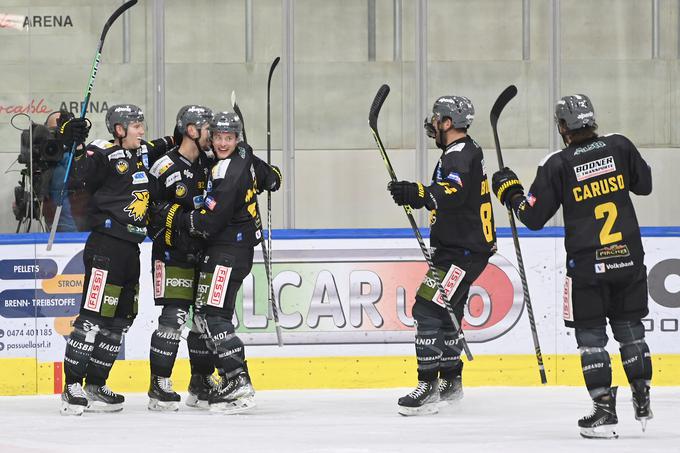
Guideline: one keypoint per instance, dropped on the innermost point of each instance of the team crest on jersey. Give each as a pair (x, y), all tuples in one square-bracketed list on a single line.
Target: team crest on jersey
[(122, 166), (180, 190), (138, 206)]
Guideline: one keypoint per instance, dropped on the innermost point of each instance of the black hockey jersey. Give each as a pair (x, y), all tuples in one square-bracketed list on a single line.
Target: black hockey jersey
[(463, 216), (180, 181), (592, 180), (230, 214), (120, 187)]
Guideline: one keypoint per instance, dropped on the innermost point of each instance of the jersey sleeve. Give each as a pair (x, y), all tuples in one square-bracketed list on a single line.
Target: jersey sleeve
[(451, 181), (219, 204), (263, 171), (158, 147), (640, 171), (91, 167), (544, 197)]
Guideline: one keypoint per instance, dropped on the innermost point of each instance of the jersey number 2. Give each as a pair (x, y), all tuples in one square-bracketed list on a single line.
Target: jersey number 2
[(608, 212)]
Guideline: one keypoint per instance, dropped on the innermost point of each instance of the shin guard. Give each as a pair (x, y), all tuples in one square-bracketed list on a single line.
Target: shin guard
[(229, 348), (165, 340), (450, 364), (107, 347), (597, 370), (79, 348)]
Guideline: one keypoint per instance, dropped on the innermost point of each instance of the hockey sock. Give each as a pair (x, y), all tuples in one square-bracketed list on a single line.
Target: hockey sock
[(201, 357), (229, 348), (635, 356), (637, 361), (450, 364), (79, 347), (165, 340), (107, 347), (597, 370), (428, 354)]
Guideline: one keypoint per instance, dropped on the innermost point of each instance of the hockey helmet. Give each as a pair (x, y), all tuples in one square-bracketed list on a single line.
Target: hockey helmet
[(197, 115), (576, 111), (123, 114), (226, 122), (458, 108)]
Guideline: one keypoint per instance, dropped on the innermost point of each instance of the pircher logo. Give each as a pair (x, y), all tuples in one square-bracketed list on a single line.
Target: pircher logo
[(138, 206), (595, 168), (612, 251)]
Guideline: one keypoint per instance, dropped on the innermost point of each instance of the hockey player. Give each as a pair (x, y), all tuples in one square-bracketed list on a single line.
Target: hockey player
[(182, 175), (116, 174), (463, 238), (231, 225), (591, 178)]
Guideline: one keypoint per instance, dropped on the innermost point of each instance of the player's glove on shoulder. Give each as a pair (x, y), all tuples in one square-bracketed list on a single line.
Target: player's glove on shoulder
[(506, 186), (413, 194)]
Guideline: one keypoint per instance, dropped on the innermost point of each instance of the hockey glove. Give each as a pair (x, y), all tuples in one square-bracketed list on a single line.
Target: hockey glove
[(408, 193), (164, 221), (506, 186), (74, 131), (272, 182)]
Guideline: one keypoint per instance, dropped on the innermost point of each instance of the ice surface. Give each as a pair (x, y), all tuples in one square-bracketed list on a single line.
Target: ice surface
[(535, 420)]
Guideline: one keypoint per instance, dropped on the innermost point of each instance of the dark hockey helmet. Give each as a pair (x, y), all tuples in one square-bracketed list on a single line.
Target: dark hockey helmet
[(458, 108), (226, 122), (576, 111), (123, 114), (197, 115)]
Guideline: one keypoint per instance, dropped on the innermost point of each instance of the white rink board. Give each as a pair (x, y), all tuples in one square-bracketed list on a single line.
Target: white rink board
[(390, 261)]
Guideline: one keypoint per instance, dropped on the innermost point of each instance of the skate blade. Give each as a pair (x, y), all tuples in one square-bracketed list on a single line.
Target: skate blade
[(99, 406), (600, 432), (71, 409), (643, 421), (425, 409), (193, 401), (233, 407), (163, 406)]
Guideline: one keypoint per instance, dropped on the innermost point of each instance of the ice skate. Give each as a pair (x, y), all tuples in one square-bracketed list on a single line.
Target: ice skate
[(601, 422), (233, 396), (643, 411), (421, 401), (73, 400), (450, 391), (162, 397), (200, 387), (103, 399)]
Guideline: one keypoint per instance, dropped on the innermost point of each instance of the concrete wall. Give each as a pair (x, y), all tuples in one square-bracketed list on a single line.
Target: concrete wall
[(475, 49)]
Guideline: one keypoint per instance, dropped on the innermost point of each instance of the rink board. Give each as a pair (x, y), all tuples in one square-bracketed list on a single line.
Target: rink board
[(345, 301)]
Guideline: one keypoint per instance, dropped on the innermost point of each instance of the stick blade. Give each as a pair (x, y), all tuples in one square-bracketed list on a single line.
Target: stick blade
[(503, 99), (378, 101)]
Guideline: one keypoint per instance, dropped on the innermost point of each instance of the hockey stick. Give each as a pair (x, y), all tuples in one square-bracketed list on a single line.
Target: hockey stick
[(380, 97), (272, 302), (237, 110), (505, 97), (83, 109), (265, 252)]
